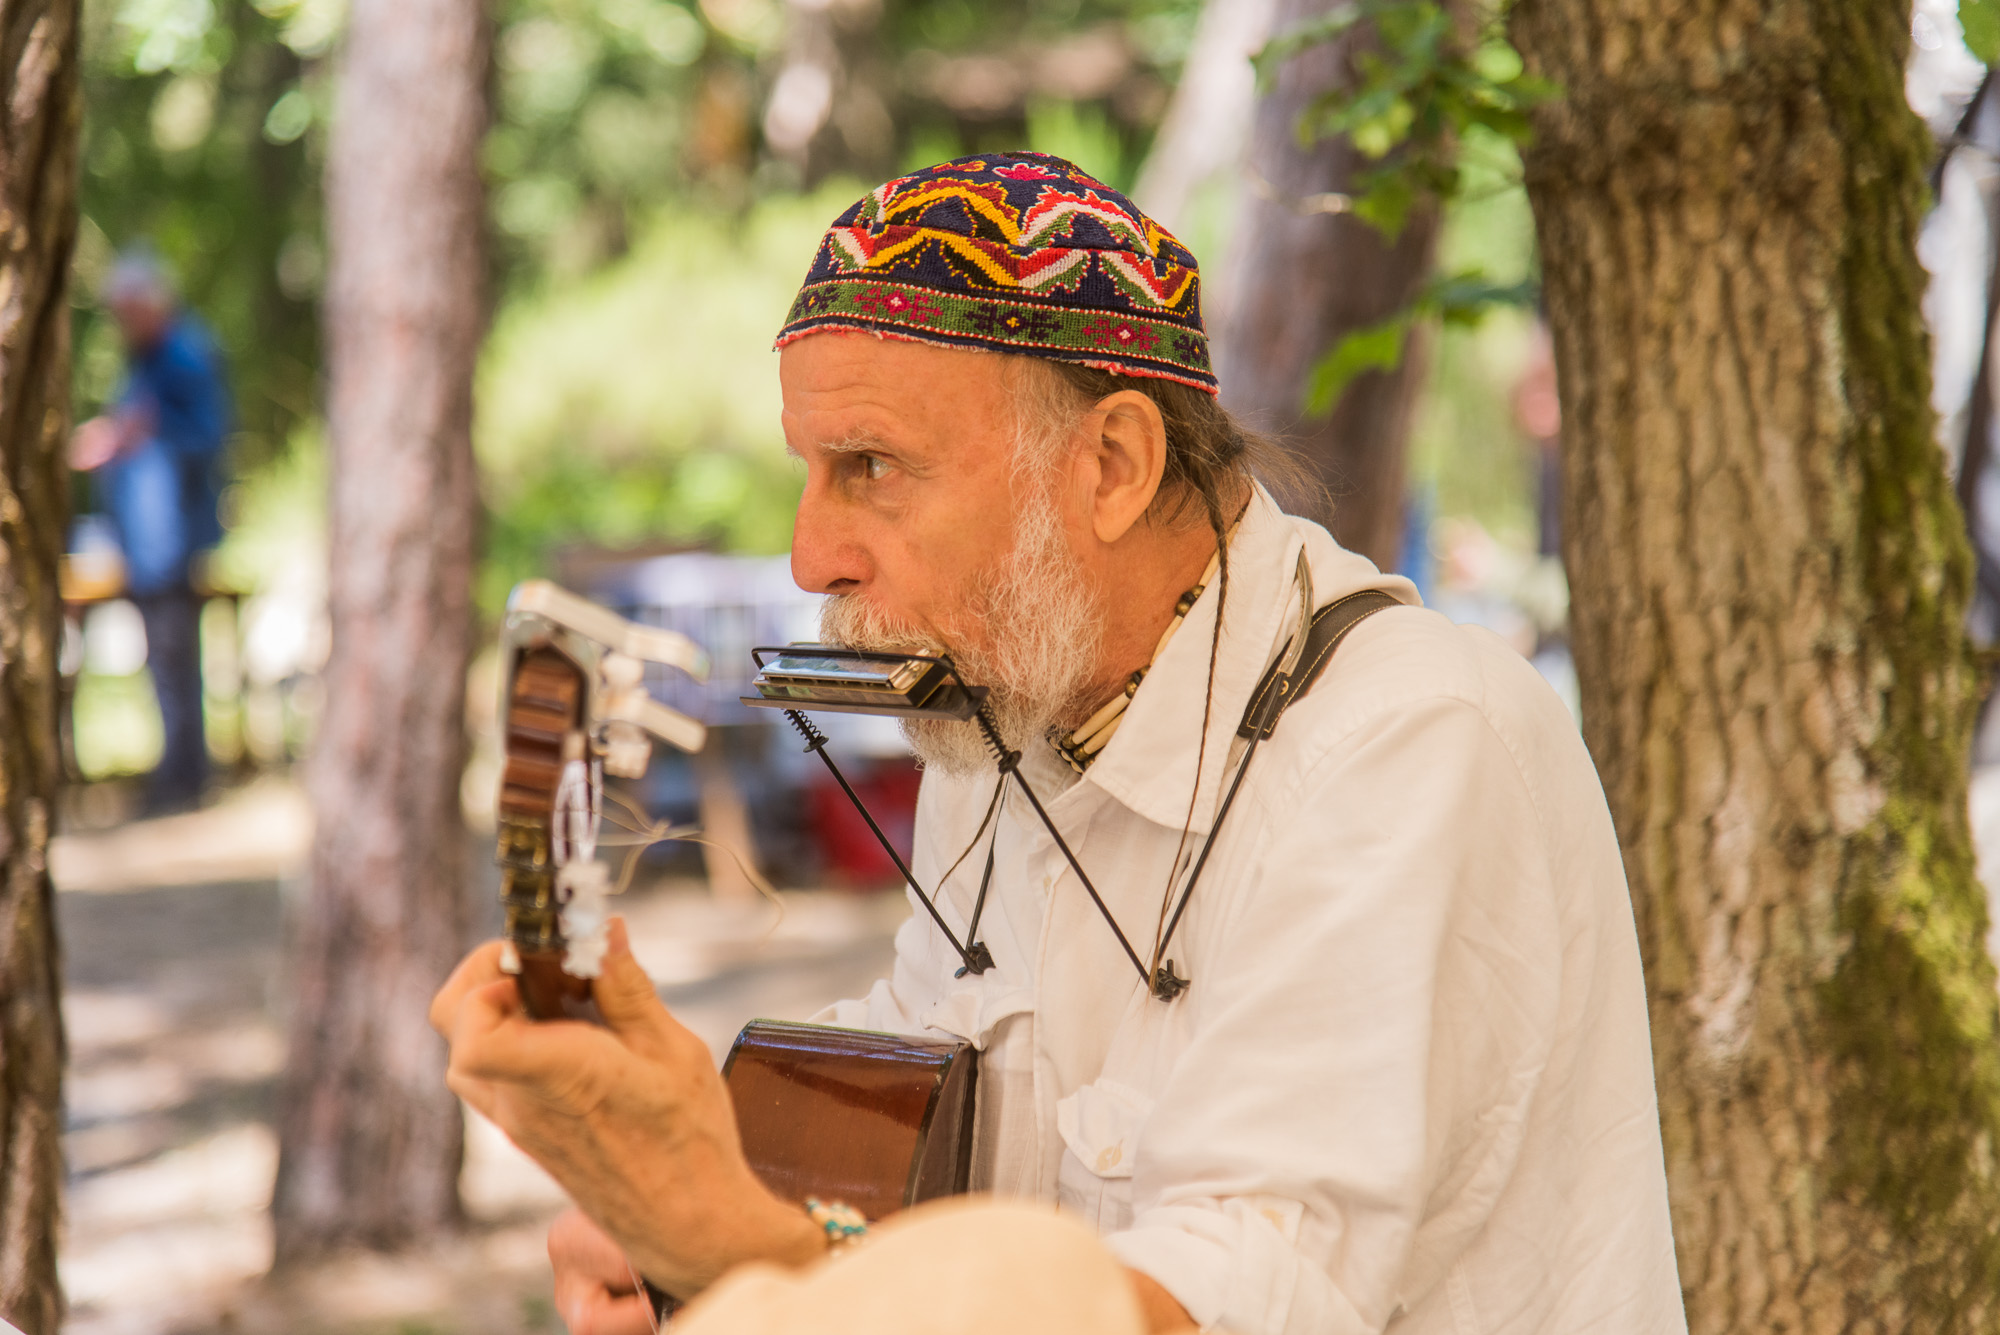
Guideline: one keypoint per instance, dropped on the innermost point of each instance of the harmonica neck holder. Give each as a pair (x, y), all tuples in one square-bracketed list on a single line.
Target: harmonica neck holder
[(1009, 761), (978, 959)]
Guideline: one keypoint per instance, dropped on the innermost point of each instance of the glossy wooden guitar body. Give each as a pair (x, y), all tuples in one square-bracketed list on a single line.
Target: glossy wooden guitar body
[(876, 1121)]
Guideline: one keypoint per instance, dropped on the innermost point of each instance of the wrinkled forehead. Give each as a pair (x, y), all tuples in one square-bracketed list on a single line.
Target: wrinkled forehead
[(843, 387)]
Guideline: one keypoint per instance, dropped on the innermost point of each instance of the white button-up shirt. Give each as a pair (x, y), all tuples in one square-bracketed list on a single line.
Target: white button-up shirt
[(1410, 1087)]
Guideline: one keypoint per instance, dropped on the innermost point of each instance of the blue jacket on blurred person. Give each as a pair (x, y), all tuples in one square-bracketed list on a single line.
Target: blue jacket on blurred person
[(162, 491), (158, 455)]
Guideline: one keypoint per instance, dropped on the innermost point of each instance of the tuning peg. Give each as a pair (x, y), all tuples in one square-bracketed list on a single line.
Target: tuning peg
[(622, 672), (669, 725), (539, 597), (627, 750)]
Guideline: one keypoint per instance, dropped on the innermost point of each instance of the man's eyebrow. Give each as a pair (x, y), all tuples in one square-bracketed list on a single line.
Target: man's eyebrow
[(856, 442)]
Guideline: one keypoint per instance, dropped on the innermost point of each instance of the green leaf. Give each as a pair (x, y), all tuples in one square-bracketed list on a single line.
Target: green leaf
[(1467, 297), (1497, 62), (1981, 21), (1379, 347), (1383, 131), (1289, 43), (1387, 199), (1414, 94)]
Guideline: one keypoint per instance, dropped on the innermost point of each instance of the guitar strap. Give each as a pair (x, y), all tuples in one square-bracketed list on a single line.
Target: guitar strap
[(1329, 627), (1275, 693)]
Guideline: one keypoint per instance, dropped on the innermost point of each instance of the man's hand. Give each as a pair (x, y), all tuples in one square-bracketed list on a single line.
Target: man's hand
[(632, 1119), (95, 443), (595, 1292), (1162, 1312)]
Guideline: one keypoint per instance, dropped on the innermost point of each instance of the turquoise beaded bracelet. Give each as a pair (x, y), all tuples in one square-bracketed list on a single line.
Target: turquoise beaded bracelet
[(843, 1225)]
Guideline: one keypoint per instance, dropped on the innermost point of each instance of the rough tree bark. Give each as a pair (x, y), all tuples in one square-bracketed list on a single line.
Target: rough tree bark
[(370, 1140), (1768, 578), (1299, 280), (38, 132)]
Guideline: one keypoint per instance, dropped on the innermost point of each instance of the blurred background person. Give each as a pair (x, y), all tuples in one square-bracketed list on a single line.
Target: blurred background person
[(157, 457)]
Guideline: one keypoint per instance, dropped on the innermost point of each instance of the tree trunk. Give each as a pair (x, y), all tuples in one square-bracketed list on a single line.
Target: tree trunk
[(1769, 576), (370, 1140), (38, 132), (1207, 125), (1299, 280), (826, 112)]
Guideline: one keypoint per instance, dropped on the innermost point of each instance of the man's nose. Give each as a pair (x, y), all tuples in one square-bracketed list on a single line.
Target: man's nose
[(825, 557)]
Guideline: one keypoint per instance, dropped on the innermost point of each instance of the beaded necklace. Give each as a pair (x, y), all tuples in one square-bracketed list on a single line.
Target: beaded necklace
[(1081, 745)]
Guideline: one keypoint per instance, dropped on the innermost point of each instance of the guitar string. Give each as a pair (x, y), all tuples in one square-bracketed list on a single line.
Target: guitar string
[(979, 904), (645, 1298), (649, 833), (1220, 564)]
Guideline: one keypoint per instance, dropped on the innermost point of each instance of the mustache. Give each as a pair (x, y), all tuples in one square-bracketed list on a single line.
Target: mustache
[(849, 621), (1038, 632)]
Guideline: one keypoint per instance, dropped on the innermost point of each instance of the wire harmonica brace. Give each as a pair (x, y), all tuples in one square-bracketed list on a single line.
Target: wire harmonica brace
[(978, 959), (1010, 763)]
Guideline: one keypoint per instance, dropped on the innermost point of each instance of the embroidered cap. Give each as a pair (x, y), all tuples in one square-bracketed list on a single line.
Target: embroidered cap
[(1013, 252)]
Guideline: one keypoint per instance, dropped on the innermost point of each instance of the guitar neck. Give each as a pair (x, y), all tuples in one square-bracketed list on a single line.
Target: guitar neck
[(548, 993), (545, 706)]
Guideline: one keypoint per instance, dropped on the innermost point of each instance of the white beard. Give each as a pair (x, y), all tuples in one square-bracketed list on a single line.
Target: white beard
[(1041, 622)]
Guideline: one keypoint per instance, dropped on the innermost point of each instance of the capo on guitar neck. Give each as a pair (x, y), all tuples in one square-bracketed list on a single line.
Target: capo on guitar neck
[(574, 707)]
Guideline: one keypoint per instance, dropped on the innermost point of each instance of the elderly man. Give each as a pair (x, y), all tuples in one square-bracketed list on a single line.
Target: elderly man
[(1364, 1048), (158, 454)]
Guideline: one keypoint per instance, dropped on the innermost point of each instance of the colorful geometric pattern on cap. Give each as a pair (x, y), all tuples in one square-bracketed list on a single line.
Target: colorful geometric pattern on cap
[(1013, 252)]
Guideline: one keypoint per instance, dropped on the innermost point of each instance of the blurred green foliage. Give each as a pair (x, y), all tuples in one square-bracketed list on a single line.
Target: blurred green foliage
[(1980, 20), (1466, 448), (604, 110), (645, 239), (1436, 102), (1419, 88), (117, 725), (639, 406), (196, 141)]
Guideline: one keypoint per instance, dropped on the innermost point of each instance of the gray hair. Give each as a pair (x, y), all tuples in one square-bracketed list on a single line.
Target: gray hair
[(1211, 457), (138, 274)]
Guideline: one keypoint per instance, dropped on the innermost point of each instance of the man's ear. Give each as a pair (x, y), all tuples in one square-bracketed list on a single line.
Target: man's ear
[(1131, 450)]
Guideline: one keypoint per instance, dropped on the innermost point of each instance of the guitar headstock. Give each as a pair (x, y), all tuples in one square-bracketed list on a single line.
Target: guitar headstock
[(572, 707)]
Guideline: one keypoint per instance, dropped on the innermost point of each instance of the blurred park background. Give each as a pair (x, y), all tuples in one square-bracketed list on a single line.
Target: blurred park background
[(657, 175)]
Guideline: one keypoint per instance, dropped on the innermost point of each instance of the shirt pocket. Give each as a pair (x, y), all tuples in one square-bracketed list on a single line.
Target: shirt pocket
[(1100, 1126)]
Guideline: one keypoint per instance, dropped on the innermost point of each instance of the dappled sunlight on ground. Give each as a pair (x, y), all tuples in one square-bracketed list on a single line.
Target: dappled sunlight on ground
[(259, 833), (172, 931)]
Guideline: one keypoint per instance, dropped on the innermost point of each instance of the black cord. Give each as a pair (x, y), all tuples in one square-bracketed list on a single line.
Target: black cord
[(1164, 977), (1010, 763), (978, 959), (979, 904)]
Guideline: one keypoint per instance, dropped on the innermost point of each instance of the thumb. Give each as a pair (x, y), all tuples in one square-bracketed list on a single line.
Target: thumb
[(625, 995)]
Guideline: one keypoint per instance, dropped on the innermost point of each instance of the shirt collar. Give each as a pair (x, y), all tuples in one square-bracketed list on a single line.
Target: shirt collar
[(1149, 766)]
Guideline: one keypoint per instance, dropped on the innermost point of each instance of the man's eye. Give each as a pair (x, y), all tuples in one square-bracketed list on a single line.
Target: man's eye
[(874, 467)]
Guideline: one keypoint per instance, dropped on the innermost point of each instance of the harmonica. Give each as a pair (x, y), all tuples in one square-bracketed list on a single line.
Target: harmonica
[(858, 681)]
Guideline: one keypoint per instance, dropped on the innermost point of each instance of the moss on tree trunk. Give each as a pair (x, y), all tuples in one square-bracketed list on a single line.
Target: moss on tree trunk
[(1768, 575)]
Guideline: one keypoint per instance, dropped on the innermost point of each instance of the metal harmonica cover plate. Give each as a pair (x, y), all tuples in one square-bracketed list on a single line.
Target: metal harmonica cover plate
[(806, 678)]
